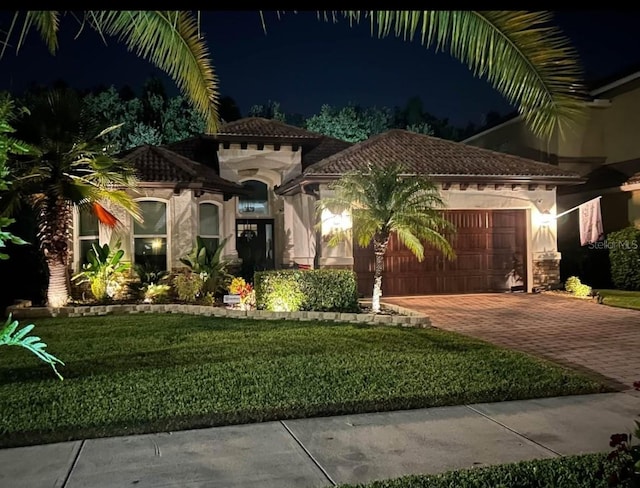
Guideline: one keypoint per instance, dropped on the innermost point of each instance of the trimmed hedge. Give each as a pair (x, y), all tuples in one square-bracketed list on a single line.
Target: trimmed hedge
[(563, 472), (320, 290), (624, 255)]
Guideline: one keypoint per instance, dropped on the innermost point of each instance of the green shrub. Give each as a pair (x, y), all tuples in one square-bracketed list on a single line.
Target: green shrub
[(322, 290), (562, 472), (188, 286), (209, 265), (571, 283), (279, 291), (624, 255), (104, 271), (156, 293)]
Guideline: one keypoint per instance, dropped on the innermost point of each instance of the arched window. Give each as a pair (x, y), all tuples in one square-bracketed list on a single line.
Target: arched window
[(150, 238), (209, 224), (257, 202), (87, 233)]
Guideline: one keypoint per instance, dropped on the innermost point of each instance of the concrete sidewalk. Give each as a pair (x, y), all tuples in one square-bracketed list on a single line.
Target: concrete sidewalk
[(327, 451)]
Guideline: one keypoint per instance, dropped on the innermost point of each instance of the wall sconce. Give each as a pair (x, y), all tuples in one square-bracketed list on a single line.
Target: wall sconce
[(544, 219), (335, 222)]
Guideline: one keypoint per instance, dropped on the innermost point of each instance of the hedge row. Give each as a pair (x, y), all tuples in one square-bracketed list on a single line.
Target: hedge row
[(321, 290)]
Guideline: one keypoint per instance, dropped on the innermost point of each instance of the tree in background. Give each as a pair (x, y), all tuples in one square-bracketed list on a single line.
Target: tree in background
[(269, 110), (153, 119), (351, 123)]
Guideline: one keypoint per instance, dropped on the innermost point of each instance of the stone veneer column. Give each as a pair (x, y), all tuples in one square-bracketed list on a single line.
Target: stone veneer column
[(546, 270)]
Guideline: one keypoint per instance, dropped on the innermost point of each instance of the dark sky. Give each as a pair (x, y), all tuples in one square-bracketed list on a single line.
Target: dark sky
[(303, 62)]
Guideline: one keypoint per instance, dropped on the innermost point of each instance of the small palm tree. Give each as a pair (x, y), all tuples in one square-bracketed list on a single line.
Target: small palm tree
[(68, 166), (383, 201)]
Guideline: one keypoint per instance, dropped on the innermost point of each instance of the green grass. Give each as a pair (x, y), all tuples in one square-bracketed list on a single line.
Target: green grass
[(621, 298), (150, 373), (562, 472)]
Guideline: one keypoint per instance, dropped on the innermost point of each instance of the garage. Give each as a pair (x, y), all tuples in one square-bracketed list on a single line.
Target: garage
[(489, 244)]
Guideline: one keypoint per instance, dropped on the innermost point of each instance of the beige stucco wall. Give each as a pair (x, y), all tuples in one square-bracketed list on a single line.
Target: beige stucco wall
[(182, 223), (607, 133)]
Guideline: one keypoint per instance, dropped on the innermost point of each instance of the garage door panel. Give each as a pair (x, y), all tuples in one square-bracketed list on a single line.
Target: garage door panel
[(486, 243)]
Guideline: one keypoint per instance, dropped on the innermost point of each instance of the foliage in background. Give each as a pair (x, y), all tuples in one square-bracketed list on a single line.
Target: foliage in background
[(210, 265), (624, 255), (153, 118), (104, 270), (269, 110), (320, 290)]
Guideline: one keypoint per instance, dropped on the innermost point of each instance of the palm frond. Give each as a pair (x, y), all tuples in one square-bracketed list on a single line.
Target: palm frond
[(47, 22), (410, 241), (172, 41), (522, 54)]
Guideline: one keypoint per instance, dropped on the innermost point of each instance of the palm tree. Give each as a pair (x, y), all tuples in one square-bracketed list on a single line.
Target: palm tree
[(521, 54), (383, 201), (69, 166)]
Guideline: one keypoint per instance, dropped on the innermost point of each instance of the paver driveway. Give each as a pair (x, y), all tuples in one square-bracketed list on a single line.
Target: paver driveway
[(594, 338)]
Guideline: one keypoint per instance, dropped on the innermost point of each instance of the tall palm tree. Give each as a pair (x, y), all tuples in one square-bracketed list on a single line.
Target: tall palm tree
[(69, 166), (383, 201), (521, 54)]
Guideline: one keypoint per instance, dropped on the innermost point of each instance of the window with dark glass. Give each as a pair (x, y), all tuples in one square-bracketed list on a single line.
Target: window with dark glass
[(209, 225), (150, 237), (87, 233), (257, 202)]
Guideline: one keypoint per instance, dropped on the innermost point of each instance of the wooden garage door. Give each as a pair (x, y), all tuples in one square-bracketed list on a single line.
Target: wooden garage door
[(487, 243)]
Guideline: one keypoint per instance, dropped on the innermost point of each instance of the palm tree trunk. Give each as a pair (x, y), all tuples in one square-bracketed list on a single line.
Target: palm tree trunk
[(58, 291), (379, 249), (54, 221)]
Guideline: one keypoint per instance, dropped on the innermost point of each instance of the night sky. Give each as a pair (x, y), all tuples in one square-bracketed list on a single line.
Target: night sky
[(303, 62)]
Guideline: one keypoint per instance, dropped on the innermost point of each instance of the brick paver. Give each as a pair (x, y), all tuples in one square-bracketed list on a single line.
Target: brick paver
[(601, 340)]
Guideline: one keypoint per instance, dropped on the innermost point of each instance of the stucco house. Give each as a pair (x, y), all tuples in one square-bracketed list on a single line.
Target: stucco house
[(603, 149), (257, 182)]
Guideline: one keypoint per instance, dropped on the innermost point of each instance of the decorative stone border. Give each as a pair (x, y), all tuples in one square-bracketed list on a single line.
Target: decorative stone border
[(409, 318)]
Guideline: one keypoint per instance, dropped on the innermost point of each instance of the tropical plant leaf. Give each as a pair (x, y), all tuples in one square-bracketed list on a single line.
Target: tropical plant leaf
[(172, 41), (521, 54), (11, 336)]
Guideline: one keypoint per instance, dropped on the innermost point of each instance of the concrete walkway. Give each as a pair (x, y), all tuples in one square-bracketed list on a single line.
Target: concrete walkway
[(597, 339), (323, 452)]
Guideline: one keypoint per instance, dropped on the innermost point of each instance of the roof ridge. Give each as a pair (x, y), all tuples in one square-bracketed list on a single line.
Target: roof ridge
[(182, 162)]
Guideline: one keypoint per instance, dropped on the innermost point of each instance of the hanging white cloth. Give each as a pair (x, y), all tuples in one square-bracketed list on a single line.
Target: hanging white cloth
[(590, 222)]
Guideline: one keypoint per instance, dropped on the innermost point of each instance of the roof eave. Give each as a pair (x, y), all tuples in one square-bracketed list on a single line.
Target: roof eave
[(293, 186)]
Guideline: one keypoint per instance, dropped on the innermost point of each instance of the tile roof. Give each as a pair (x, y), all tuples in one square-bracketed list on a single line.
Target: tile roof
[(633, 179), (439, 158), (260, 127), (328, 146), (160, 165), (424, 154)]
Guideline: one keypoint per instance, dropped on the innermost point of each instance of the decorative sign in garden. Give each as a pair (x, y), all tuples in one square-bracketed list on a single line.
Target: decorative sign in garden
[(231, 299)]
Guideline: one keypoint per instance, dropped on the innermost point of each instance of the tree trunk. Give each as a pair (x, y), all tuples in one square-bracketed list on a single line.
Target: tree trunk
[(58, 292), (54, 222), (379, 248)]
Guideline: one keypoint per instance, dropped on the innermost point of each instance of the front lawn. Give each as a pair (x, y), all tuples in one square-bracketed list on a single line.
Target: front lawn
[(150, 373), (621, 298)]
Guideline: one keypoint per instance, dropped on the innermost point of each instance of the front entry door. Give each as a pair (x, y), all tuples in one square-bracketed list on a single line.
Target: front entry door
[(254, 243)]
